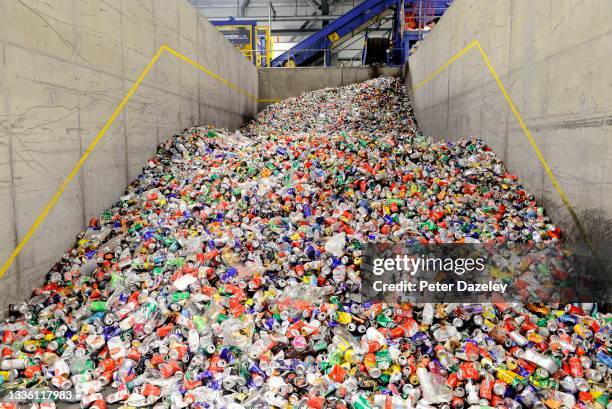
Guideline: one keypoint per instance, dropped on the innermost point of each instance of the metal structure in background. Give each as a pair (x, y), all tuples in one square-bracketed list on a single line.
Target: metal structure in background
[(402, 23), (339, 30), (252, 39), (418, 15), (410, 20)]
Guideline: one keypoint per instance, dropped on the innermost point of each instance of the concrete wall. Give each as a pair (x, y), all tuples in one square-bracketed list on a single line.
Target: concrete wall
[(553, 58), (64, 67), (283, 83)]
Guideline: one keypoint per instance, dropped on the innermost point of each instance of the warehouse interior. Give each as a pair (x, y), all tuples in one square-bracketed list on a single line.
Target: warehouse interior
[(91, 91)]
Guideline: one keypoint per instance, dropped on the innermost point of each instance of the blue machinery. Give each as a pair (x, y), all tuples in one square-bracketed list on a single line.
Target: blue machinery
[(313, 46), (360, 18)]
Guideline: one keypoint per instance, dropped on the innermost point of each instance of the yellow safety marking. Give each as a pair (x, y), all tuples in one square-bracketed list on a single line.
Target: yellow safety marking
[(78, 166), (444, 66), (333, 37), (269, 100), (41, 217), (526, 130), (209, 72)]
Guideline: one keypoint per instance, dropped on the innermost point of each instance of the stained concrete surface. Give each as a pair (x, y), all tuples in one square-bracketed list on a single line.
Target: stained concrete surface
[(552, 57), (64, 67)]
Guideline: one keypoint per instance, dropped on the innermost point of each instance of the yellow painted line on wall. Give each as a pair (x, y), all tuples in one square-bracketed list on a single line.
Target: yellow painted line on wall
[(444, 66), (41, 217), (269, 100), (209, 72), (45, 212), (526, 131)]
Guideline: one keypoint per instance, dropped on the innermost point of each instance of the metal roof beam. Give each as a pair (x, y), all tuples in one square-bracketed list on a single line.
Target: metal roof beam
[(299, 30), (314, 6), (280, 18), (243, 6)]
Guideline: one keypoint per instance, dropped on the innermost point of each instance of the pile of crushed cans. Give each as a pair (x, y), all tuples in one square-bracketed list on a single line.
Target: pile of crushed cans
[(228, 276)]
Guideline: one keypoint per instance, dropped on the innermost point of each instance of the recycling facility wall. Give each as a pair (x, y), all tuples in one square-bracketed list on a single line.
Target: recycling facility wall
[(282, 83), (552, 58), (65, 65)]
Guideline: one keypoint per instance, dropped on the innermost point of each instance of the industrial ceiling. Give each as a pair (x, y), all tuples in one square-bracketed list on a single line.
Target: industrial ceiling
[(292, 20)]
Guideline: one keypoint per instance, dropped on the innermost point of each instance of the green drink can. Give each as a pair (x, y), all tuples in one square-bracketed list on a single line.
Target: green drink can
[(97, 306)]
